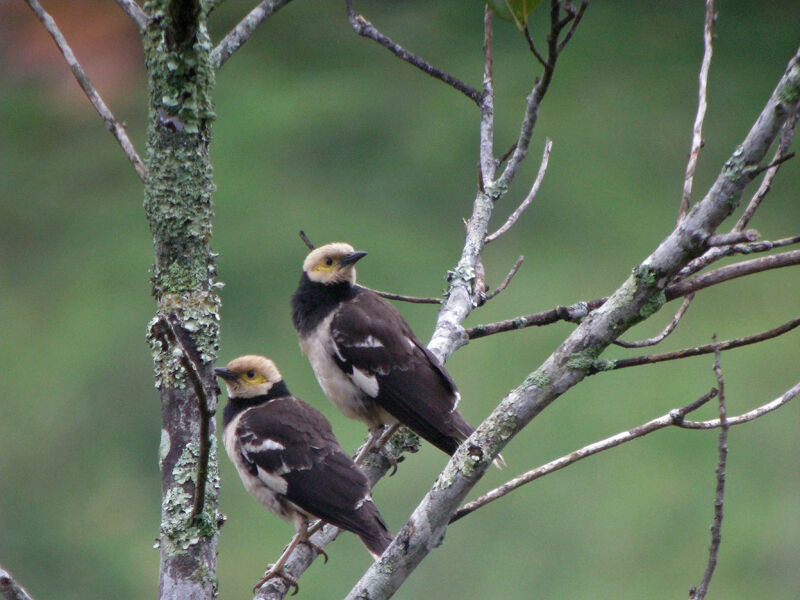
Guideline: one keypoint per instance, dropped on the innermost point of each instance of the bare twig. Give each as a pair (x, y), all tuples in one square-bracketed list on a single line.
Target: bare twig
[(716, 528), (667, 330), (702, 105), (514, 268), (366, 29), (751, 415), (728, 272), (305, 239), (10, 589), (172, 330), (114, 126), (734, 237), (579, 310), (576, 19), (534, 99), (673, 417), (548, 146), (532, 46), (766, 184), (411, 299), (487, 163), (246, 28), (135, 12), (699, 350)]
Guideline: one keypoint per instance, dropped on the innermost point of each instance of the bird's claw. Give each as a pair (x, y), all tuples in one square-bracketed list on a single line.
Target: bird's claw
[(271, 573)]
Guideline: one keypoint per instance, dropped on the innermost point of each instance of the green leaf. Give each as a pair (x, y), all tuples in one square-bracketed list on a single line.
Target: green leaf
[(515, 11)]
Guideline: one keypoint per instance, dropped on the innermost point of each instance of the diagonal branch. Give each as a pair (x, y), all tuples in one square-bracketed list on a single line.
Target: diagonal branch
[(673, 417), (114, 126), (366, 29), (504, 284), (666, 331), (135, 12), (514, 217), (575, 312), (702, 104), (10, 589), (246, 28), (699, 350), (487, 162)]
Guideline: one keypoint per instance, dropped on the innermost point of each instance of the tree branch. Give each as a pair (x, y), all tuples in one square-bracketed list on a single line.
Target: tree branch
[(135, 12), (514, 268), (366, 29), (514, 217), (673, 417), (246, 28), (172, 330), (666, 331), (114, 126), (10, 589), (566, 366), (487, 162), (402, 298), (716, 527), (702, 104), (698, 350), (752, 415), (579, 310)]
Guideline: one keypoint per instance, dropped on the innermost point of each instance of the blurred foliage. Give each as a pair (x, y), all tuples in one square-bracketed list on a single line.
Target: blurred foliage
[(321, 130)]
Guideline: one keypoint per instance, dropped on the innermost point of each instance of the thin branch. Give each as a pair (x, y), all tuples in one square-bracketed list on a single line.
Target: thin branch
[(579, 310), (135, 12), (766, 184), (514, 268), (411, 299), (716, 527), (726, 273), (514, 217), (10, 589), (699, 350), (667, 330), (532, 46), (487, 163), (246, 28), (673, 417), (172, 330), (576, 19), (702, 105), (305, 239), (734, 237), (752, 415), (366, 29), (114, 126), (532, 103)]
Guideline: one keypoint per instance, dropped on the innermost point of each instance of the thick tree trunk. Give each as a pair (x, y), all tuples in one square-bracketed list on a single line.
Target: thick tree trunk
[(179, 210)]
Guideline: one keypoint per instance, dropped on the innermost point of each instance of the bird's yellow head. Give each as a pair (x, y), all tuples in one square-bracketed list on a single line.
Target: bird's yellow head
[(249, 376), (332, 263)]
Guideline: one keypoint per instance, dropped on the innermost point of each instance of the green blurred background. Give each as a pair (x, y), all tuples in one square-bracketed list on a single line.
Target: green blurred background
[(322, 130)]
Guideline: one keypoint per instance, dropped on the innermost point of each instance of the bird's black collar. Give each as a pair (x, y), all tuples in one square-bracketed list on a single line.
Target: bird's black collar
[(237, 405), (313, 301)]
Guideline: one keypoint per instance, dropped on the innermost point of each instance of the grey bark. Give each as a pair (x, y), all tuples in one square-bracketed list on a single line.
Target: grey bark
[(178, 206)]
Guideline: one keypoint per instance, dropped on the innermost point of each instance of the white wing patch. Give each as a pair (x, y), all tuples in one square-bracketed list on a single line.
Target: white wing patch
[(368, 342), (273, 482), (263, 446), (367, 383)]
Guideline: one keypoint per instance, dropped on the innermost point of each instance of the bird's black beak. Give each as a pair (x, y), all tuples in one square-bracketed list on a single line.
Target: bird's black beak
[(352, 258), (226, 374)]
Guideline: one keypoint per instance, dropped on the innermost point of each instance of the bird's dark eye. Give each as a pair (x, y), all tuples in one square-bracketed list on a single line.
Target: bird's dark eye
[(250, 374), (329, 261)]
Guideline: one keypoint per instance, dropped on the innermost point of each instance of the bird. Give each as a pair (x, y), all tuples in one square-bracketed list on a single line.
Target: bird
[(290, 461), (367, 359)]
